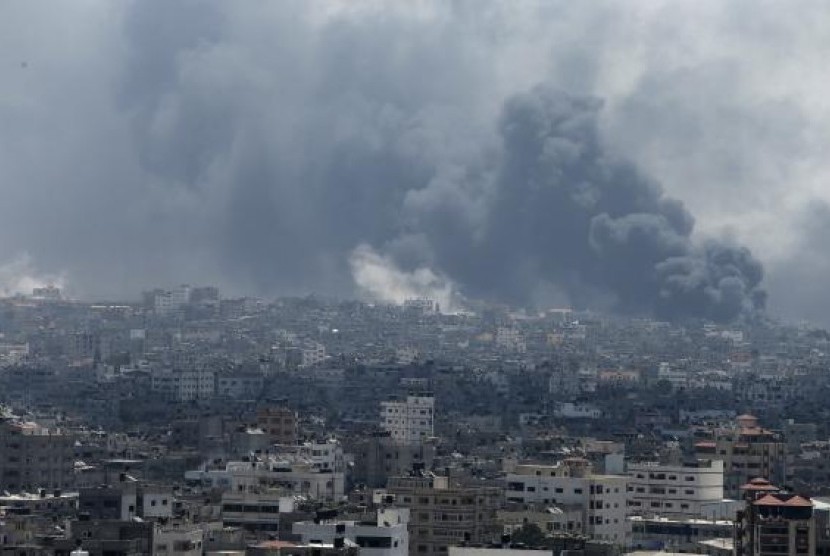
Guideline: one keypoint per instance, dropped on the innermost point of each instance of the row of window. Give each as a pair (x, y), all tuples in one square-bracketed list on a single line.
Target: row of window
[(663, 477)]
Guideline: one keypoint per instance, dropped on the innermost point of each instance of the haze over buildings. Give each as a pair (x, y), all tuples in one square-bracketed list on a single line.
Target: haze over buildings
[(528, 152)]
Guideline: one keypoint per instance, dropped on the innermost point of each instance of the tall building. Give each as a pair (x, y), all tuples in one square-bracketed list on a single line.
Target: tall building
[(681, 490), (378, 457), (572, 483), (747, 451), (774, 523), (442, 514), (280, 424), (411, 420), (34, 457)]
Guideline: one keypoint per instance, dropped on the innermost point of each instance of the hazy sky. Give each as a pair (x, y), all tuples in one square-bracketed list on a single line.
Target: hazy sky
[(625, 155)]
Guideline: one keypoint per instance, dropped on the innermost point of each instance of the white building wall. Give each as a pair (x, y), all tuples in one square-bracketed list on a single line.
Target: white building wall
[(409, 421), (674, 490), (390, 533), (601, 498)]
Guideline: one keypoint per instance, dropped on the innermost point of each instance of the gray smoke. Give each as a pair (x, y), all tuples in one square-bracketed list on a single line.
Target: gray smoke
[(283, 148), (565, 215)]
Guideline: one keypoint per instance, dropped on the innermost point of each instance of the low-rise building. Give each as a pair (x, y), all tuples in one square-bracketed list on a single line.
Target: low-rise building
[(387, 536)]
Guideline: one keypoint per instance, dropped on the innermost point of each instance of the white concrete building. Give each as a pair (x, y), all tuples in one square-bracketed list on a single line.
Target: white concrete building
[(571, 483), (388, 536), (255, 511), (674, 490), (411, 420), (177, 540), (312, 354), (570, 410), (183, 385), (315, 471), (480, 551)]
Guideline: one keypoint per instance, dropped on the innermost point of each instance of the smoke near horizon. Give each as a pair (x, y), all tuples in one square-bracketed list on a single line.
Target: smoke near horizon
[(532, 153)]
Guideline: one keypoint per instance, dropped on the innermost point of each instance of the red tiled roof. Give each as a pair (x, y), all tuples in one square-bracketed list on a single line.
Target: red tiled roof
[(768, 500), (798, 502)]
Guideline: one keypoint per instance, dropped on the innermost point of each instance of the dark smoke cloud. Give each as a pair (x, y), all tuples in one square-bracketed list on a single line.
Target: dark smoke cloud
[(279, 148), (565, 213)]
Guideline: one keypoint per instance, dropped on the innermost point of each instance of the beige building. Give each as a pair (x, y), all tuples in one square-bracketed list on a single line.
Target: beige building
[(34, 457), (747, 451), (280, 424), (444, 514)]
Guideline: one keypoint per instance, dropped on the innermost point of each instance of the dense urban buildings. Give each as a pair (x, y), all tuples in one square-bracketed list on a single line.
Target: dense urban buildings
[(191, 423)]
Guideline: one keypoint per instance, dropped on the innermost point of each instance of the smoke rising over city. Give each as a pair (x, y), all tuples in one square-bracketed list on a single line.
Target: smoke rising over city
[(518, 152)]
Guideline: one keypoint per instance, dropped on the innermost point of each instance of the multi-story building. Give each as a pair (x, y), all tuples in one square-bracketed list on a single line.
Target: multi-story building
[(552, 520), (34, 457), (177, 540), (313, 470), (444, 514), (774, 523), (572, 483), (184, 385), (280, 424), (411, 420), (257, 511), (674, 490), (239, 386), (747, 451), (127, 500), (387, 536), (379, 457)]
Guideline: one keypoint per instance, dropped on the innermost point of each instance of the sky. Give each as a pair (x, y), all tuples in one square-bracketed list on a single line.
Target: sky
[(646, 157)]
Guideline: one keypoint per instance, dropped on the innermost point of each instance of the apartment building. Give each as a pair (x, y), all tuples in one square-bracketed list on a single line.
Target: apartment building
[(552, 520), (34, 457), (410, 420), (444, 514), (683, 490), (572, 483), (255, 511), (313, 470), (747, 451), (774, 523), (387, 536), (280, 424), (183, 385), (378, 457)]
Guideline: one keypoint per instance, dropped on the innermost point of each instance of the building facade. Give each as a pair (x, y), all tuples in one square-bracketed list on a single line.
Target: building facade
[(747, 451), (572, 483), (674, 490), (411, 420), (442, 515)]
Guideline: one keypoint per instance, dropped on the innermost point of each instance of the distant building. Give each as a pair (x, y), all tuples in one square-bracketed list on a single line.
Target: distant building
[(379, 457), (34, 457), (280, 424), (411, 420), (184, 385), (442, 515), (601, 498), (387, 536), (674, 490), (774, 523), (747, 451)]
